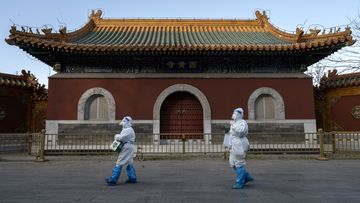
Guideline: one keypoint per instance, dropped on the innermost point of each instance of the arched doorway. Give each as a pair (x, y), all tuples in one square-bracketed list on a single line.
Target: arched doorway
[(181, 112)]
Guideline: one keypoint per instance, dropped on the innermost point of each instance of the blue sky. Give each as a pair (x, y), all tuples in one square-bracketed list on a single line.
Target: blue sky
[(285, 14)]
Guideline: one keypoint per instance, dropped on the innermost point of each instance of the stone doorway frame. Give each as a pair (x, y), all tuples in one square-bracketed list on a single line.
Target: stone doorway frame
[(279, 102), (93, 91)]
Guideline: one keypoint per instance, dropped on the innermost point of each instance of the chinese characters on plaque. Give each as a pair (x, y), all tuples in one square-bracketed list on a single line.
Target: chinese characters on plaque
[(181, 66)]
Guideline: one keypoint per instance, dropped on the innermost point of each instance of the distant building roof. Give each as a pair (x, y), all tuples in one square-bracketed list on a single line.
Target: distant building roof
[(26, 80), (345, 80), (13, 80), (333, 81)]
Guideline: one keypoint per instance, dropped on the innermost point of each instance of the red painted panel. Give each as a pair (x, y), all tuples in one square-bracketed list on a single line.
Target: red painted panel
[(15, 104), (136, 97), (341, 113)]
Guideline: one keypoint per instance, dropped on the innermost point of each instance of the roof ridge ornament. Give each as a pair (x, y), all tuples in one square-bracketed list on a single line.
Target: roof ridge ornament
[(62, 32), (46, 30), (348, 30), (332, 74), (13, 29), (299, 33), (96, 14), (262, 18), (29, 78), (314, 32)]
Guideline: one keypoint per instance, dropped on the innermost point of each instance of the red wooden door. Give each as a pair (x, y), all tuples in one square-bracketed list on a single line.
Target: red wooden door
[(182, 113)]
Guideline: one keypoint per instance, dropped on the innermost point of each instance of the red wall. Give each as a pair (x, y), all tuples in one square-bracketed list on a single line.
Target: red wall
[(15, 102), (136, 97), (341, 113)]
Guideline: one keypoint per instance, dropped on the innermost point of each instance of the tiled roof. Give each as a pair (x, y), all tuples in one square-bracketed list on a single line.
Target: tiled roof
[(13, 80), (118, 36), (150, 36), (41, 96), (345, 80), (26, 80)]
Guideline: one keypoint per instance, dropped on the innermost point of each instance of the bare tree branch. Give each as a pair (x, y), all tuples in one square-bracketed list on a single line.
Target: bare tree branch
[(346, 60)]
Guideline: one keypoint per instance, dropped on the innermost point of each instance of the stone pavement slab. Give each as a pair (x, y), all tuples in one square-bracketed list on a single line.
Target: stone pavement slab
[(81, 179)]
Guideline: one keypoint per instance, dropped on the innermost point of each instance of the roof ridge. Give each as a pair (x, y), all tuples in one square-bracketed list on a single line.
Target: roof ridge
[(11, 76)]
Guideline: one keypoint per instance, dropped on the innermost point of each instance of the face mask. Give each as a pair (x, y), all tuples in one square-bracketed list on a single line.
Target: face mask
[(234, 115)]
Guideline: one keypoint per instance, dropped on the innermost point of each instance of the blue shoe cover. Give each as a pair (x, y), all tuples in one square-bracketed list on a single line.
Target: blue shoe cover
[(237, 186), (131, 174), (240, 177), (112, 180), (248, 177), (131, 181)]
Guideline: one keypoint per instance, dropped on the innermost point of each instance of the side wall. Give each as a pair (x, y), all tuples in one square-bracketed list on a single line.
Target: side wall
[(137, 97), (344, 109), (15, 104)]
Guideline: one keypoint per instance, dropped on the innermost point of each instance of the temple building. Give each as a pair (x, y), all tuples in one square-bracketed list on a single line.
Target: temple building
[(179, 75), (337, 101), (23, 103)]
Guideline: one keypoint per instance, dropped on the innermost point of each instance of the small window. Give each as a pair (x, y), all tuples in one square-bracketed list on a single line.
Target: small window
[(96, 108), (265, 107)]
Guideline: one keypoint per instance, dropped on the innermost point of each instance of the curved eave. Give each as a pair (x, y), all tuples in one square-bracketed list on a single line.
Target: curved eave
[(66, 42), (62, 36), (89, 48)]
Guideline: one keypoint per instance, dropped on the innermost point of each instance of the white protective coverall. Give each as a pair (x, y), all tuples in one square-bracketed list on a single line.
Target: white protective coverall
[(127, 136), (239, 144)]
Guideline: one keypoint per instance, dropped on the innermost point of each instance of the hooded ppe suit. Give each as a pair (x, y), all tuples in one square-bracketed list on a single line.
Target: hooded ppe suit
[(127, 136), (239, 145)]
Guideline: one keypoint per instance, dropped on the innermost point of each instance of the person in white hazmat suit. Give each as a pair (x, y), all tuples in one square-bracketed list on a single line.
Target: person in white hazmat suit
[(125, 158), (239, 145)]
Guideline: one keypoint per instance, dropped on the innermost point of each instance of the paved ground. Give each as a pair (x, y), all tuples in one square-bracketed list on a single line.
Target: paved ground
[(81, 179)]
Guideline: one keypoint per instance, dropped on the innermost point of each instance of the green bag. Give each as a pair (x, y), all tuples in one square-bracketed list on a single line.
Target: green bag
[(116, 146)]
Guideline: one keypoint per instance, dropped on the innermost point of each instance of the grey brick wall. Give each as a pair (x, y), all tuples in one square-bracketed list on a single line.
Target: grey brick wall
[(258, 132), (143, 131), (82, 128), (265, 132)]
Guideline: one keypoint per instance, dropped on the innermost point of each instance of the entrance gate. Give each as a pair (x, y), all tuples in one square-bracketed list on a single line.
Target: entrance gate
[(181, 113)]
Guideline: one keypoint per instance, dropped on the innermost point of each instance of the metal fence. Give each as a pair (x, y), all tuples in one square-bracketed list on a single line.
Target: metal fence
[(41, 144), (304, 143), (77, 144), (341, 142)]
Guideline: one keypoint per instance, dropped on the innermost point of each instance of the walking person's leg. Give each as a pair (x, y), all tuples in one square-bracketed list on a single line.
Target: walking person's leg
[(112, 180), (130, 169)]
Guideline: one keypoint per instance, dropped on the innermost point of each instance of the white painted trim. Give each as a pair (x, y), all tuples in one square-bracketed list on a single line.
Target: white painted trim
[(310, 127), (51, 127)]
